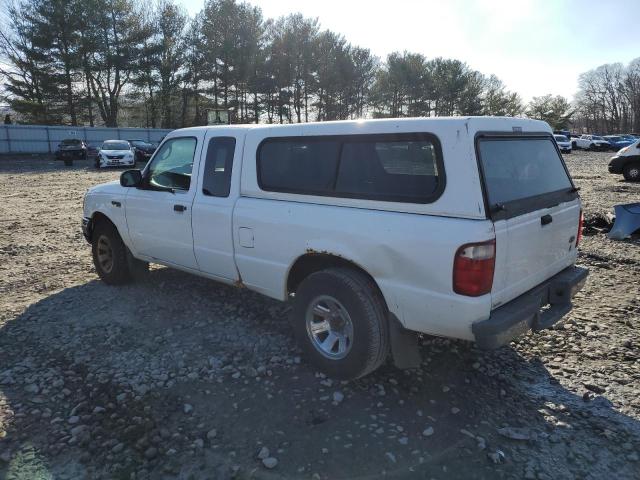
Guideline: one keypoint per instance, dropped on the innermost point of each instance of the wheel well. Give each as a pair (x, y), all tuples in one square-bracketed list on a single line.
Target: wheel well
[(314, 262), (98, 218)]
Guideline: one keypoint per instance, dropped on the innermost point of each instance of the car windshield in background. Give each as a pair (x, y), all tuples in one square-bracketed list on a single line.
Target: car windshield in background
[(140, 143), (596, 137), (519, 168), (115, 146), (71, 142), (561, 138)]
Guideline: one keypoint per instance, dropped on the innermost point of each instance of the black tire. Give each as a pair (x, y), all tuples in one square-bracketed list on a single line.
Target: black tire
[(68, 162), (574, 145), (592, 147), (631, 172), (97, 163), (110, 254), (368, 314)]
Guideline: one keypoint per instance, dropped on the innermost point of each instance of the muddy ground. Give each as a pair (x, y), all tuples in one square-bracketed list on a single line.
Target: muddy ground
[(180, 377)]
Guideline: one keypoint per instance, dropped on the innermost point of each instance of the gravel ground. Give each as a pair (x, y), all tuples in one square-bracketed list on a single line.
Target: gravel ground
[(180, 377)]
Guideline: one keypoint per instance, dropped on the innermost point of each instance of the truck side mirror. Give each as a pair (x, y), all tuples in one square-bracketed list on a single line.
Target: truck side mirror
[(131, 178)]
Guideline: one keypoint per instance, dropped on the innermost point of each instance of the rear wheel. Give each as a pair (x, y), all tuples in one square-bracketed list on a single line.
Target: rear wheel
[(340, 322), (631, 172)]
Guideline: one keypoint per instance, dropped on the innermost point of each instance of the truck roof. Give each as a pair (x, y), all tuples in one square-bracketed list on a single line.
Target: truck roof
[(473, 124)]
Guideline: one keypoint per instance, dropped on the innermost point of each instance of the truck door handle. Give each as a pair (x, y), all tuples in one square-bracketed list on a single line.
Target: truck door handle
[(546, 219), (116, 204), (179, 208)]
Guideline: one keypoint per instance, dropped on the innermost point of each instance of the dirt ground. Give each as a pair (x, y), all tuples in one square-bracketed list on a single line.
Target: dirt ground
[(180, 377)]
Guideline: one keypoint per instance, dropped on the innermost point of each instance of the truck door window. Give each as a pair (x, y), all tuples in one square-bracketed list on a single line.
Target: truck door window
[(172, 165), (217, 168)]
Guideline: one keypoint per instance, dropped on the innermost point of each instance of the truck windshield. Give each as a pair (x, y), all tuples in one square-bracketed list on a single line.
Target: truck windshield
[(517, 168)]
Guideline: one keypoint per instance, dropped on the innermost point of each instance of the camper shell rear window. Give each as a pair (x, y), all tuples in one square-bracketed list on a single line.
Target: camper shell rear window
[(522, 173)]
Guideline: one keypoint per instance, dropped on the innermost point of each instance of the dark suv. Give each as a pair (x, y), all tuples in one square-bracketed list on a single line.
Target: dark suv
[(143, 149), (70, 149)]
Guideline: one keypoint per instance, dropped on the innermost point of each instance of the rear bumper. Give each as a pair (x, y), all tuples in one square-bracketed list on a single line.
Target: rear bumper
[(537, 309)]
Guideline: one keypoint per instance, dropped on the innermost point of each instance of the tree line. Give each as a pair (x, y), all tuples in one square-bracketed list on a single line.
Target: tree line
[(608, 98), (128, 62)]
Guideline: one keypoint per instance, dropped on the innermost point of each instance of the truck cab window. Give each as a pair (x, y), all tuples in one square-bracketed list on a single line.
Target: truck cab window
[(172, 165), (217, 169)]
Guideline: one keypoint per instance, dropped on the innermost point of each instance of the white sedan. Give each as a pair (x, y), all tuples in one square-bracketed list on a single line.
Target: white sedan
[(115, 153), (563, 143)]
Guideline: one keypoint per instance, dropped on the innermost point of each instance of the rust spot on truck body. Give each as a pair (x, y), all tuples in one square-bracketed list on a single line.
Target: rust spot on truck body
[(311, 251)]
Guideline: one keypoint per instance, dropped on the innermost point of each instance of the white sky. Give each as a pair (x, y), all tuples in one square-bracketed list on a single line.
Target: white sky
[(535, 46)]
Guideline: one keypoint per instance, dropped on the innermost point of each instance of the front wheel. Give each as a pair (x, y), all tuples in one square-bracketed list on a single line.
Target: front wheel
[(110, 254), (340, 322), (631, 172)]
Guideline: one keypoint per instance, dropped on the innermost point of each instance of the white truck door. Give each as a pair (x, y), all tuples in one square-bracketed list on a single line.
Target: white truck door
[(159, 212), (217, 191)]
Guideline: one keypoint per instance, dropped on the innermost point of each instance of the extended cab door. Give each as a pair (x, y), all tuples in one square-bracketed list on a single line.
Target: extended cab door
[(535, 209), (159, 211), (218, 189)]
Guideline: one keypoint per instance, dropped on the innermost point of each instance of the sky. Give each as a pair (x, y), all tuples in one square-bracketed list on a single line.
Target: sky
[(535, 47)]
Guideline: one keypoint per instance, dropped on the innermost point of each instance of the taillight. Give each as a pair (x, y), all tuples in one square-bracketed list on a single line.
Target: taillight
[(473, 268), (580, 223)]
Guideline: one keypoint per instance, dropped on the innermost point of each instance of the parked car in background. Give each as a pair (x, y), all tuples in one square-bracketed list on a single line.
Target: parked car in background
[(374, 229), (143, 149), (92, 151), (564, 144), (115, 153), (630, 136), (627, 162), (70, 149), (618, 141), (591, 142)]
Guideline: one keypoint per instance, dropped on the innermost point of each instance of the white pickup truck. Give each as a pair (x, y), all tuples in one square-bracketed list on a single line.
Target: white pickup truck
[(591, 142), (375, 230)]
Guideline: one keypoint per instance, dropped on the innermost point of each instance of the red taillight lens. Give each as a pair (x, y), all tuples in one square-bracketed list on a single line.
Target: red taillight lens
[(580, 223), (473, 268)]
